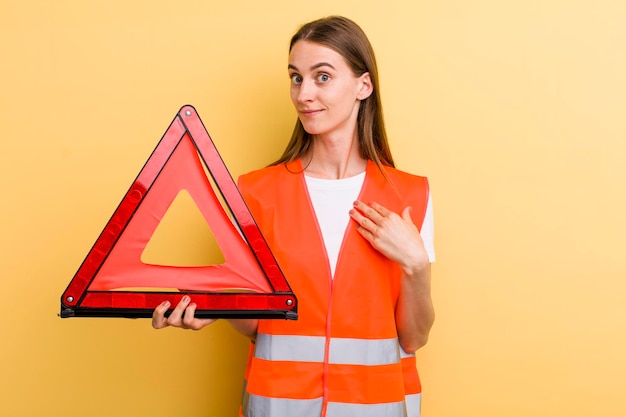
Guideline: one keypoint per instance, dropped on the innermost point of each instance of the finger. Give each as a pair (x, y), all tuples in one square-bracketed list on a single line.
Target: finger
[(362, 221), (365, 211), (190, 316), (406, 214), (381, 210), (369, 236), (175, 318), (191, 322), (158, 315), (374, 211)]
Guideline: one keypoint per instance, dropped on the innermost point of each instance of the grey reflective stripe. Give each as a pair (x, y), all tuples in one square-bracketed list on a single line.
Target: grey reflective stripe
[(413, 405), (245, 397), (281, 407), (343, 351), (259, 406), (290, 348), (364, 351), (366, 410)]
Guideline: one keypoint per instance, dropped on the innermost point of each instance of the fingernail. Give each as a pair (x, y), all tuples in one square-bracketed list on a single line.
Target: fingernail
[(165, 304), (186, 299)]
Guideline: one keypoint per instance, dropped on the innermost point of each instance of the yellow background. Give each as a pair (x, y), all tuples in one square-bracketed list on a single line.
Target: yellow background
[(514, 109)]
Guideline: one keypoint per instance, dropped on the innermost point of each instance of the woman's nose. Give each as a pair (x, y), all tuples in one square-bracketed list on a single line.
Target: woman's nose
[(305, 91)]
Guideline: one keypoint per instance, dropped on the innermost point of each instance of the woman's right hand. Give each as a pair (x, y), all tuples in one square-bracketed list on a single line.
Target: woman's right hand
[(182, 316)]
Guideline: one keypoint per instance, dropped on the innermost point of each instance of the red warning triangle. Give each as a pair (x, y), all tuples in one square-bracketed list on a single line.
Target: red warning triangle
[(248, 284)]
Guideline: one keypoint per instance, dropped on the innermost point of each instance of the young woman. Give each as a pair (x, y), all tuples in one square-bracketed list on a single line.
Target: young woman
[(353, 236)]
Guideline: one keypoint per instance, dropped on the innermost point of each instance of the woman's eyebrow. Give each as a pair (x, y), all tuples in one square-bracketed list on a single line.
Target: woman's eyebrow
[(314, 67)]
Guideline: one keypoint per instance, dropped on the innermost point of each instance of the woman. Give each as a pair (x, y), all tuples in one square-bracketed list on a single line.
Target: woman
[(341, 221)]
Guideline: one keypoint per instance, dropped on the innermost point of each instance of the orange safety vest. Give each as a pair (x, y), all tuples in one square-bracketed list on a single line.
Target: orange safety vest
[(341, 358)]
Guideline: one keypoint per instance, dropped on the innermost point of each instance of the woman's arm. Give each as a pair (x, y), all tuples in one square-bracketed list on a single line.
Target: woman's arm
[(415, 313), (398, 238)]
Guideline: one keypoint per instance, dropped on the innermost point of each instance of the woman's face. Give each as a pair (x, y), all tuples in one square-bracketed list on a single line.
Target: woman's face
[(325, 91)]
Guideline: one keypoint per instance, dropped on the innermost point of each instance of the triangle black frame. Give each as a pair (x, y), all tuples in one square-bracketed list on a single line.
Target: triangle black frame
[(79, 301)]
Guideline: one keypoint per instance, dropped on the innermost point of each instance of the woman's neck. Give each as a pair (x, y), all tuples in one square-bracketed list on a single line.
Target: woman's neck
[(329, 159)]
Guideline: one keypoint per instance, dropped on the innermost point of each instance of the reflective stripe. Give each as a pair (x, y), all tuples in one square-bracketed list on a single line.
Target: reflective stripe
[(366, 410), (245, 397), (271, 407), (413, 405), (343, 351), (290, 348), (259, 406)]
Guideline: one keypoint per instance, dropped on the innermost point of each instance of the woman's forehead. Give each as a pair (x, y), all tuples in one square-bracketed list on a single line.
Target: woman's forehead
[(305, 55)]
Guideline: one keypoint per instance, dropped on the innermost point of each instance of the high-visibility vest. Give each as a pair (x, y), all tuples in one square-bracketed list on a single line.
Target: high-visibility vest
[(341, 358)]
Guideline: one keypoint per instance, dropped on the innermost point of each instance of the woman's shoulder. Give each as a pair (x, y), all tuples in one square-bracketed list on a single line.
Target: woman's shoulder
[(411, 189), (264, 172), (263, 177), (401, 176)]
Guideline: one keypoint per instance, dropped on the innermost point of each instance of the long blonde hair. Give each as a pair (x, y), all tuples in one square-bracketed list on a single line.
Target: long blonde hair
[(346, 38)]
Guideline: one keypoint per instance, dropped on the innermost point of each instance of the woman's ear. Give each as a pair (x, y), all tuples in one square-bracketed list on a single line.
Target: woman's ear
[(366, 87)]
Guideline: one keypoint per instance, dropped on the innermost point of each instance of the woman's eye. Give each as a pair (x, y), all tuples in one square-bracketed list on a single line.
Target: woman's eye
[(323, 78), (296, 79)]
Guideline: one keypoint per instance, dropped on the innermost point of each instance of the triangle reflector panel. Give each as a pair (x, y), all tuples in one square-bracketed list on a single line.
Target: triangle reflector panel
[(113, 281)]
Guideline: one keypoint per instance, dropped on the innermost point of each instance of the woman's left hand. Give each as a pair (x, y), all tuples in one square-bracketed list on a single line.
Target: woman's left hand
[(394, 235)]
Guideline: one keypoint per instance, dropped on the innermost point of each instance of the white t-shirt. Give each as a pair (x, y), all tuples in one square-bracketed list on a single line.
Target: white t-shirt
[(332, 201)]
